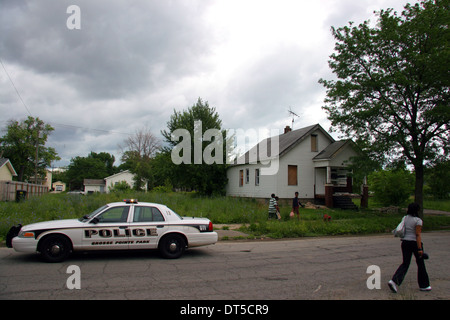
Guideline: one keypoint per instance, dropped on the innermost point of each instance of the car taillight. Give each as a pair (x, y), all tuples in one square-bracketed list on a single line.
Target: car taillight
[(210, 227)]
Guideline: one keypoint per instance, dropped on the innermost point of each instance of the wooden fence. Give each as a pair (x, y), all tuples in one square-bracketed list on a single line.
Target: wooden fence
[(10, 189)]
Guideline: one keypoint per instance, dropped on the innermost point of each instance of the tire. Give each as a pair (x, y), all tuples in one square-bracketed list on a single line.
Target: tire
[(172, 246), (55, 248)]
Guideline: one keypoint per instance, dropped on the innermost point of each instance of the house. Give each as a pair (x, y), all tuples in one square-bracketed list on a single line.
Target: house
[(58, 186), (126, 176), (106, 184), (94, 185), (7, 171), (16, 190), (310, 162)]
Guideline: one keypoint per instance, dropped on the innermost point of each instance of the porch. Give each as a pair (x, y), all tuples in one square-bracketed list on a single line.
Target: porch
[(333, 187)]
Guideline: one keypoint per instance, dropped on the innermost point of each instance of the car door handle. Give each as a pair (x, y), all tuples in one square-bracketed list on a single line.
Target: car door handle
[(160, 226), (123, 227)]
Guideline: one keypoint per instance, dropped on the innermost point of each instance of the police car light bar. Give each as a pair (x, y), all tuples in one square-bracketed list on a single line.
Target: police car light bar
[(130, 200)]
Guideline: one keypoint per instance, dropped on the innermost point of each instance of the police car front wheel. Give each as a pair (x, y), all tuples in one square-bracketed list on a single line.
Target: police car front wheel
[(172, 246), (55, 248)]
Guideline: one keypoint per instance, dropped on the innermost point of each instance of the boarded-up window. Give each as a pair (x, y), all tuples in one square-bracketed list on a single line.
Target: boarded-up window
[(292, 175), (241, 178), (314, 147)]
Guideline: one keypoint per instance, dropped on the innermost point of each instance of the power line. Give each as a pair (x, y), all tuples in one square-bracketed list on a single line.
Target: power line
[(70, 126), (17, 91), (54, 123)]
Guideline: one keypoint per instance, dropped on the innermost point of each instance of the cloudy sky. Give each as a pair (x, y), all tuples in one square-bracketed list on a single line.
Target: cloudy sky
[(133, 62)]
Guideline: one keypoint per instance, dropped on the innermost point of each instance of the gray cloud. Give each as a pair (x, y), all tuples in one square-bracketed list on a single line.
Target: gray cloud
[(133, 62)]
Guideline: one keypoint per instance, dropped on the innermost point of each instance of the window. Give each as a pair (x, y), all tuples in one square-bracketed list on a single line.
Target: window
[(147, 214), (241, 178), (314, 146), (256, 177), (114, 215), (247, 176), (292, 175)]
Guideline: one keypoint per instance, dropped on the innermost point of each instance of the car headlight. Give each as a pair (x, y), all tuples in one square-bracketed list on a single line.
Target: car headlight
[(26, 234)]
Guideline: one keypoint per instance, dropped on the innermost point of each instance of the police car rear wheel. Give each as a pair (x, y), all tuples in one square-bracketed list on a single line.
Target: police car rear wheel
[(55, 248), (172, 246)]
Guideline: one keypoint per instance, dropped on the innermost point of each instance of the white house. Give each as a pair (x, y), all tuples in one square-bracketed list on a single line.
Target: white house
[(94, 185), (105, 185), (126, 176), (310, 162)]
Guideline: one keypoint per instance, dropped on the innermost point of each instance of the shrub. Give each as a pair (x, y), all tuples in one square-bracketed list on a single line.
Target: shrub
[(391, 187)]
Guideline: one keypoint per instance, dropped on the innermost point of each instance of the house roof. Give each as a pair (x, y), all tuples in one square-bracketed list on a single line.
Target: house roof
[(331, 150), (94, 182), (118, 174), (6, 162), (286, 142)]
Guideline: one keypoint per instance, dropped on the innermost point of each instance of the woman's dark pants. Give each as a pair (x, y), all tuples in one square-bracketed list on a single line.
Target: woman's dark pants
[(408, 248)]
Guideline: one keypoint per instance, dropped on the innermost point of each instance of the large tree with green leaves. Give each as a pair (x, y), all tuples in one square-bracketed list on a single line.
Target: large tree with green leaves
[(94, 166), (24, 145), (392, 88), (206, 178)]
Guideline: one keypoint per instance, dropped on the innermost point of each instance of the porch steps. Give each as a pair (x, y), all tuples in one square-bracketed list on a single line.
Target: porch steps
[(344, 202)]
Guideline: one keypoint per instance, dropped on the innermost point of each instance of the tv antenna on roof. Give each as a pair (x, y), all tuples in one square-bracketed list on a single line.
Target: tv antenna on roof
[(293, 114)]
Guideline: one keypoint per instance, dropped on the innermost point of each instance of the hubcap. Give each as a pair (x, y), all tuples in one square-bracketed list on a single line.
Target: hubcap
[(55, 249), (173, 247)]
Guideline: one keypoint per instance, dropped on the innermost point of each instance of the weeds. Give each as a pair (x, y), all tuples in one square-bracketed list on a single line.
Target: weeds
[(220, 210)]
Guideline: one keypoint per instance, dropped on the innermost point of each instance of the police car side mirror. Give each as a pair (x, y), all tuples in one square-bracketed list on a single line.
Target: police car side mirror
[(94, 220)]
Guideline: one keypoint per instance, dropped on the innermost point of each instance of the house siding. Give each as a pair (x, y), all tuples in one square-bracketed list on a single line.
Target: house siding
[(300, 155)]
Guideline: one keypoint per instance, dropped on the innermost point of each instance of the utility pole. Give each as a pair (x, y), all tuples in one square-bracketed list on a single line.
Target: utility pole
[(36, 160)]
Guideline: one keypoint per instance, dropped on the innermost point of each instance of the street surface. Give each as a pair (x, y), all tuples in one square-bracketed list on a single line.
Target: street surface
[(310, 268)]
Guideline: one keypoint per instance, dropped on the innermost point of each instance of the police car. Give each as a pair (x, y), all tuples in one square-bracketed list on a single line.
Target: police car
[(123, 225)]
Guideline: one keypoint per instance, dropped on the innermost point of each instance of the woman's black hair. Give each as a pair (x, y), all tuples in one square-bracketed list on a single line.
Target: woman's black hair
[(413, 209)]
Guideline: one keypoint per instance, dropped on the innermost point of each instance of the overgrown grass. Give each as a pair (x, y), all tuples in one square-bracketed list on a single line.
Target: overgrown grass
[(220, 210)]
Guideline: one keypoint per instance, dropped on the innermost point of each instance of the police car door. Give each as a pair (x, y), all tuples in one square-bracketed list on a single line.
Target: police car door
[(108, 230), (147, 226)]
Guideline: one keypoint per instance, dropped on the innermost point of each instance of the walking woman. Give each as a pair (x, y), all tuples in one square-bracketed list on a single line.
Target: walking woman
[(412, 244)]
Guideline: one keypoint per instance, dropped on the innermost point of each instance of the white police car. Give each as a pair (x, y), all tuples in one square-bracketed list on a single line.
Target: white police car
[(115, 226)]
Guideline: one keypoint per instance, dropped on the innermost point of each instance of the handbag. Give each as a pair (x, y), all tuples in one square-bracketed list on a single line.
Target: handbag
[(401, 229)]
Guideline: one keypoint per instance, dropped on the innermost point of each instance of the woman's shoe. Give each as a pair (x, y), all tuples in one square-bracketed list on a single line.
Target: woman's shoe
[(393, 286), (426, 289)]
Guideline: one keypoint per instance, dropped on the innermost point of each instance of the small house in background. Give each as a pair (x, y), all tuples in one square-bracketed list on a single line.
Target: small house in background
[(310, 162), (16, 190), (94, 185), (7, 171), (126, 176), (58, 186), (105, 185)]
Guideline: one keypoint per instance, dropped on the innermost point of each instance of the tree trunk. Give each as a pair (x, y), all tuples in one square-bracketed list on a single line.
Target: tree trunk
[(418, 193)]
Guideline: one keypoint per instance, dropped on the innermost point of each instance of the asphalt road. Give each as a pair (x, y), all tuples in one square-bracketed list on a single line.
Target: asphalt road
[(311, 268)]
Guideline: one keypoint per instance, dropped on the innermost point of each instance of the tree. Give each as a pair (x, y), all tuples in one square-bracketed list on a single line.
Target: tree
[(94, 166), (437, 178), (24, 145), (140, 150), (206, 178), (391, 187), (392, 90)]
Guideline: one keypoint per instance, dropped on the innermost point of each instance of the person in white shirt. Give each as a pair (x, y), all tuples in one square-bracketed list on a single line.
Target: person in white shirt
[(412, 244)]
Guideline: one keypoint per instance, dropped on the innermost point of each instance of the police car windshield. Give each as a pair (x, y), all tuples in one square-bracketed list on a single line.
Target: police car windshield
[(92, 214)]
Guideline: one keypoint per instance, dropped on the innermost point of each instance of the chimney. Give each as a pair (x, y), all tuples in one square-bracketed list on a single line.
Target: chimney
[(287, 129)]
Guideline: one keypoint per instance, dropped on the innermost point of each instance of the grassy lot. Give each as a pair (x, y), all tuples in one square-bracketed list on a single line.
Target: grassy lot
[(221, 210)]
